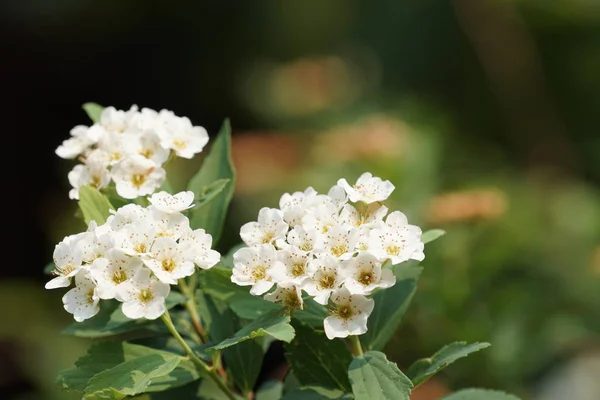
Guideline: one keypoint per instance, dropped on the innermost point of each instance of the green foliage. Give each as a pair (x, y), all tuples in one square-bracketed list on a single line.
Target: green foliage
[(274, 323), (93, 111), (122, 367), (216, 178), (423, 369), (373, 377), (480, 394), (270, 390), (94, 205), (432, 235), (316, 360), (316, 393), (390, 306), (110, 321)]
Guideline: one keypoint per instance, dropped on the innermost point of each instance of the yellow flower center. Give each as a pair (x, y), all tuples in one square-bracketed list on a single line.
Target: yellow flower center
[(326, 281), (147, 153), (298, 269), (138, 180), (259, 273), (344, 311), (119, 276), (393, 250), (140, 247), (268, 237), (339, 250), (145, 295), (168, 265), (366, 278), (306, 246), (179, 144)]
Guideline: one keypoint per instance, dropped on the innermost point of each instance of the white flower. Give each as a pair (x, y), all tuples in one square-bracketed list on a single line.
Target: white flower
[(197, 247), (112, 271), (143, 296), (137, 176), (168, 203), (67, 260), (397, 240), (252, 267), (270, 227), (173, 224), (95, 243), (82, 300), (167, 260), (148, 145), (114, 120), (297, 198), (367, 189), (364, 274), (126, 215), (337, 196), (288, 295), (134, 239), (292, 266), (94, 174), (113, 145), (325, 278), (370, 215), (340, 242), (307, 240), (181, 136), (322, 217), (350, 316), (77, 144)]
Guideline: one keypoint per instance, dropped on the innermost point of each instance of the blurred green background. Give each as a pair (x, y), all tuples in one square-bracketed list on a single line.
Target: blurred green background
[(484, 114)]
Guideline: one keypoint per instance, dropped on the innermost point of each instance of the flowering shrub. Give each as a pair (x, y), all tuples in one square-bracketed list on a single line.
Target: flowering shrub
[(329, 275)]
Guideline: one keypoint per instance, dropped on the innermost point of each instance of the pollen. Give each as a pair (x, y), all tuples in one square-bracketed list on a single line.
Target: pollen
[(344, 312), (339, 250), (148, 153), (141, 247), (366, 278), (259, 273), (306, 246), (119, 276), (145, 295), (179, 144), (298, 269), (393, 250), (168, 265), (268, 237), (327, 282), (138, 180)]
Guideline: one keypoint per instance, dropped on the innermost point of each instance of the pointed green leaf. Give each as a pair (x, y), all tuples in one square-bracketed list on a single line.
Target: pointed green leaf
[(316, 393), (216, 166), (373, 377), (222, 324), (93, 110), (313, 313), (210, 192), (270, 390), (423, 369), (130, 377), (94, 205), (480, 394), (390, 306), (316, 360), (432, 235), (274, 323), (105, 356)]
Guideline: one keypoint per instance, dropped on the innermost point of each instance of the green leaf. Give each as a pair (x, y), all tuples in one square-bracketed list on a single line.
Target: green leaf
[(390, 306), (432, 235), (227, 259), (373, 377), (316, 360), (274, 323), (216, 166), (94, 205), (313, 313), (130, 377), (210, 192), (480, 394), (270, 390), (316, 393), (111, 321), (223, 323), (93, 111), (102, 357), (166, 187), (423, 369), (251, 307)]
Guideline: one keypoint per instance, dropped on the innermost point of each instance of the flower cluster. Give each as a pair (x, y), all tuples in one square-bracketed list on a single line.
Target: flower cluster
[(133, 257), (333, 247), (129, 148)]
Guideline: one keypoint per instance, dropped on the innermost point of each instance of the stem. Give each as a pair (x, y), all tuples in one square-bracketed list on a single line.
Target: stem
[(356, 346), (190, 306), (201, 365)]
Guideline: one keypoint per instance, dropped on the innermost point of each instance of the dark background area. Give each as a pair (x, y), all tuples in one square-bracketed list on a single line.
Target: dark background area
[(510, 88)]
